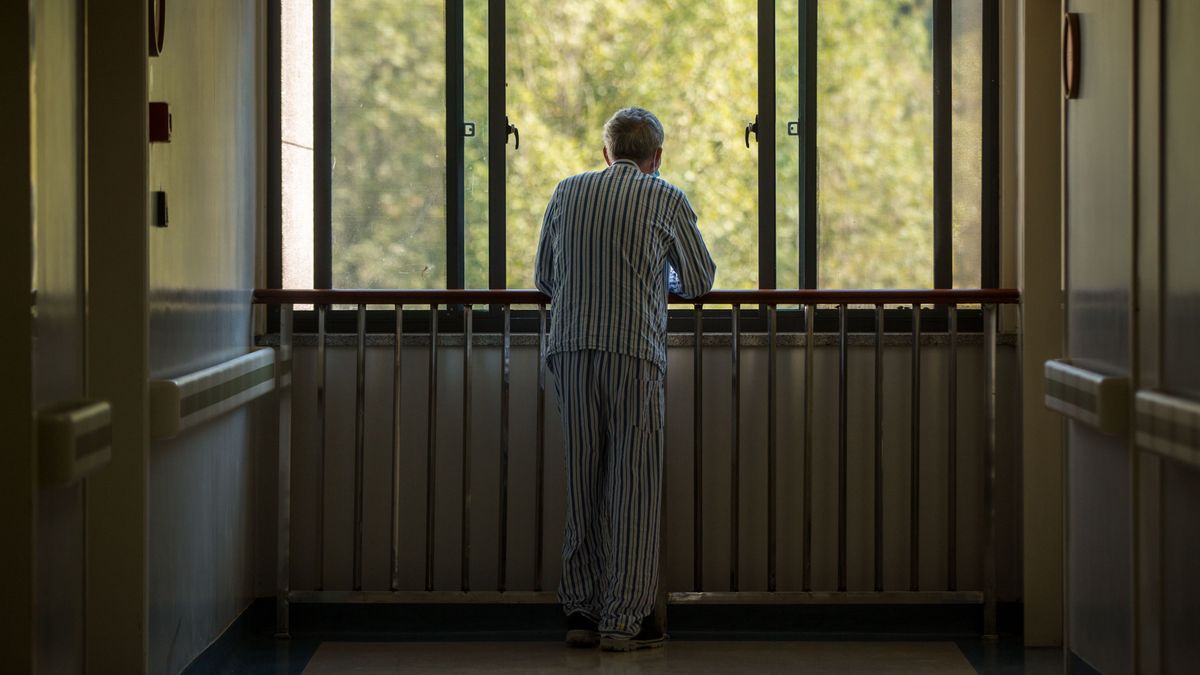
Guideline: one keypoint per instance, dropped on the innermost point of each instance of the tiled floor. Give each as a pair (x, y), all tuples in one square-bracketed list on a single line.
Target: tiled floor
[(528, 639), (877, 658)]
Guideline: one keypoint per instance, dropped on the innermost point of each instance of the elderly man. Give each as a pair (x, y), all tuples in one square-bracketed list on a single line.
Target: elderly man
[(610, 240)]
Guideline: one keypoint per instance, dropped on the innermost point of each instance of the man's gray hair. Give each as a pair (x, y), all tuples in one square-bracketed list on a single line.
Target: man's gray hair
[(633, 133)]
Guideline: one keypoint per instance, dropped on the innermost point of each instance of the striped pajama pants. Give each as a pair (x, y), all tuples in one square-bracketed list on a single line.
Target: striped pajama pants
[(612, 416)]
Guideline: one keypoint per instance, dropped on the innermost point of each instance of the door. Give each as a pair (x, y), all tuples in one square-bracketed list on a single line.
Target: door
[(59, 319), (1099, 203), (1170, 547)]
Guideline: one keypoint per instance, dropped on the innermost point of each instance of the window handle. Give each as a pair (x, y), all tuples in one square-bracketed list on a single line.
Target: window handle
[(752, 127), (512, 130)]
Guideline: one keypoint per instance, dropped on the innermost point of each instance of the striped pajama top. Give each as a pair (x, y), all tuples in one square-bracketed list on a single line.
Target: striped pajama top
[(609, 240)]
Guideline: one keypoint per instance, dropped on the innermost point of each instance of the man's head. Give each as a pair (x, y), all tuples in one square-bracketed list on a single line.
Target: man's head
[(634, 134)]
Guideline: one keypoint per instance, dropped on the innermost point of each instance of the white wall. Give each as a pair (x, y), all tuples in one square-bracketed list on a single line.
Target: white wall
[(717, 404), (201, 514)]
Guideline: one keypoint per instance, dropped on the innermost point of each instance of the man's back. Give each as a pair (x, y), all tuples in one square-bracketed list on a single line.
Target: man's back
[(606, 240)]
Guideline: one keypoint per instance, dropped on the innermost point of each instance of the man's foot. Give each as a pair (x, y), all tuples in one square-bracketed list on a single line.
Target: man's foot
[(581, 631), (649, 637)]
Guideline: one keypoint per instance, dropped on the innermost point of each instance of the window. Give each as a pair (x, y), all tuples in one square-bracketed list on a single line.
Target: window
[(871, 127)]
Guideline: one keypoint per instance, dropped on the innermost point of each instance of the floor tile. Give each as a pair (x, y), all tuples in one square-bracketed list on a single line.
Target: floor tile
[(877, 658)]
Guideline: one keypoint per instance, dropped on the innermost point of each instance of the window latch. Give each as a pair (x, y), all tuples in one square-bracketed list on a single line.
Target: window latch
[(512, 130), (793, 128), (468, 129), (752, 127)]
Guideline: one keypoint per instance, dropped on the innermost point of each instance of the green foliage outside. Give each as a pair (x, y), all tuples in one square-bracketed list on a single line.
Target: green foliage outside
[(571, 64)]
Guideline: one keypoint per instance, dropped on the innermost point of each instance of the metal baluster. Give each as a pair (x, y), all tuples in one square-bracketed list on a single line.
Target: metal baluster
[(878, 447), (771, 447), (505, 380), (321, 449), (359, 423), (283, 515), (396, 382), (431, 450), (952, 457), (539, 461), (662, 596), (468, 336), (914, 540), (842, 451), (735, 452), (989, 472), (809, 319), (698, 452)]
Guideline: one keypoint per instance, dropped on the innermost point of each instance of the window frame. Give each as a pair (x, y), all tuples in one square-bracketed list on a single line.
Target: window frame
[(753, 319)]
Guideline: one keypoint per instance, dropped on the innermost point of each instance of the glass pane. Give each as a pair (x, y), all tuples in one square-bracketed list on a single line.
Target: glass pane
[(389, 144), (296, 136), (875, 144), (572, 64), (967, 88), (475, 110), (787, 149)]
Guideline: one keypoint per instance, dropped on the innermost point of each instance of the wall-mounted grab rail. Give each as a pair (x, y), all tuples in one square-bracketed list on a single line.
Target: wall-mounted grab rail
[(182, 402), (944, 301), (74, 439)]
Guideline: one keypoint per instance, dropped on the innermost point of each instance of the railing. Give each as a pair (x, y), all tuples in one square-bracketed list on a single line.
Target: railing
[(945, 302)]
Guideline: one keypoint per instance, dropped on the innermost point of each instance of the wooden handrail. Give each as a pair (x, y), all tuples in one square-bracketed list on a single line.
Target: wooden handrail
[(957, 296)]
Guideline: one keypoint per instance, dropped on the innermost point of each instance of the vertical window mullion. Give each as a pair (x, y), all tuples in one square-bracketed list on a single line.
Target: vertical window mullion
[(455, 148), (765, 123), (322, 144), (274, 150), (990, 210), (943, 141), (274, 158), (497, 149), (808, 144)]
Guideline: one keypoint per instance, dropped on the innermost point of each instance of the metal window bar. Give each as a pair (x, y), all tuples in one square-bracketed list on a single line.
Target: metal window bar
[(322, 144), (952, 455), (765, 136), (843, 420), (539, 479), (431, 450), (771, 299), (505, 384), (698, 453), (397, 380), (283, 532), (735, 449), (455, 148), (772, 472), (879, 332), (360, 376), (320, 544), (468, 338), (989, 473), (943, 145), (810, 312), (914, 486)]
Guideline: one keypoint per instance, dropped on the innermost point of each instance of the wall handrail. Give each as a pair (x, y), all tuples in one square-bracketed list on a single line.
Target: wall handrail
[(74, 440), (790, 296), (1097, 399), (182, 402), (1168, 425)]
